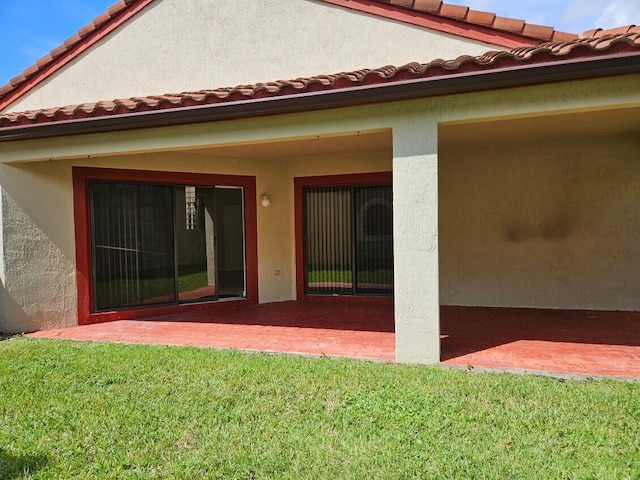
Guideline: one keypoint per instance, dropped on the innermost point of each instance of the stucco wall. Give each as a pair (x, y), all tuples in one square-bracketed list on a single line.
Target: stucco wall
[(45, 198), (38, 233), (178, 45), (38, 288), (543, 223)]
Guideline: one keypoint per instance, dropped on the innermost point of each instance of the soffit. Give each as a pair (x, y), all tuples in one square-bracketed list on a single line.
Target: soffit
[(352, 143), (615, 121)]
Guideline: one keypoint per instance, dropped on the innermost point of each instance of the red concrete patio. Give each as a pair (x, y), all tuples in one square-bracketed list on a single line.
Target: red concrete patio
[(550, 341)]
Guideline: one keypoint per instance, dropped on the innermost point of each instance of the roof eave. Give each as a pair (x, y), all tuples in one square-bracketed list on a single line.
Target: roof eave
[(524, 75)]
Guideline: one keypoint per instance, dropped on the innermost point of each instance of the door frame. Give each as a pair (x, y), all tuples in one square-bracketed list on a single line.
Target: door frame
[(81, 176), (300, 183)]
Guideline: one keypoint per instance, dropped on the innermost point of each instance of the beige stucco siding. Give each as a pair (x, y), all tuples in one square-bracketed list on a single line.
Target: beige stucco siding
[(40, 287), (526, 218), (178, 45), (548, 224)]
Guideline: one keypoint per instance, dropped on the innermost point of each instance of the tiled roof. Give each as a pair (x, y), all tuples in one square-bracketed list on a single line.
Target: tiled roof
[(123, 10), (552, 52), (459, 13)]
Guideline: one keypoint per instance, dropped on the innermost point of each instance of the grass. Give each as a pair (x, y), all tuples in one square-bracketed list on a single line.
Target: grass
[(117, 292), (72, 410), (367, 276)]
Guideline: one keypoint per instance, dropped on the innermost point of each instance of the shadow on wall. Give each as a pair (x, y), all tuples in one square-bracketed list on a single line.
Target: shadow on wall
[(13, 319), (13, 466), (38, 290)]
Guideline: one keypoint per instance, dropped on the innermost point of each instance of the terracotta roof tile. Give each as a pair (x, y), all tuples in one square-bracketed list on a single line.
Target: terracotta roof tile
[(476, 17), (538, 31), (549, 52), (599, 32), (400, 3), (56, 52), (481, 18), (429, 6), (457, 12), (509, 24), (562, 36)]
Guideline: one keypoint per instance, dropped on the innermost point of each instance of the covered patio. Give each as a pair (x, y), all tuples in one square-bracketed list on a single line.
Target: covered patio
[(557, 342)]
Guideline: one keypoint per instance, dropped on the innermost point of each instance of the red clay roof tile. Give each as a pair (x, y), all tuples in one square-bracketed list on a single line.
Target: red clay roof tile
[(481, 18), (562, 36), (549, 52), (457, 12), (429, 6), (509, 24), (475, 17), (400, 3), (538, 31)]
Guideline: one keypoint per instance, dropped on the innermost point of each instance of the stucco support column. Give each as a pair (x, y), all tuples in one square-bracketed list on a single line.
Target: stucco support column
[(415, 209)]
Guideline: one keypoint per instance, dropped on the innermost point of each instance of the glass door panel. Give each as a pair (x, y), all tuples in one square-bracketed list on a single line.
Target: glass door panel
[(156, 244), (195, 249), (132, 245), (116, 253), (230, 242), (348, 240), (328, 240), (374, 240)]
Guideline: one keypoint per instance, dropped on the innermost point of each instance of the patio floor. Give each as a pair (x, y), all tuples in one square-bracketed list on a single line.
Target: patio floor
[(550, 341)]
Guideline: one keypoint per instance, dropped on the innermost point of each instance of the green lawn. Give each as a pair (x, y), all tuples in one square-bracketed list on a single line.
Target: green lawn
[(368, 276), (72, 410)]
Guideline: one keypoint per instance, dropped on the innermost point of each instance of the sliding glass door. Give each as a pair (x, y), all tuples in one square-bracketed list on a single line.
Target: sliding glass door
[(163, 244), (348, 240)]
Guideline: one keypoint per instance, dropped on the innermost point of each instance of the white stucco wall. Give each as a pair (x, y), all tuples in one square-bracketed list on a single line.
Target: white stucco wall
[(547, 224), (177, 46), (415, 247)]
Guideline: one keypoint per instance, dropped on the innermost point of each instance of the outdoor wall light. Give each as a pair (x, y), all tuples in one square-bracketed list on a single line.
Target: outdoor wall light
[(264, 200)]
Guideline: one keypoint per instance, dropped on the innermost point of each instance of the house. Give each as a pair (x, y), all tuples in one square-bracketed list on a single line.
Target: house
[(507, 176)]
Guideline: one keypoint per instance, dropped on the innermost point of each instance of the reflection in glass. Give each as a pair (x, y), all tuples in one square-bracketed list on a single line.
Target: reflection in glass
[(159, 244), (343, 223)]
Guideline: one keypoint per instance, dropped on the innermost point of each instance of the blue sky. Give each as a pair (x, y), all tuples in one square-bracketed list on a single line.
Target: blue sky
[(29, 29)]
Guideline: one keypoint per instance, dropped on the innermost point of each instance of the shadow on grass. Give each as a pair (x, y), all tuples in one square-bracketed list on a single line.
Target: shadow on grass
[(12, 467)]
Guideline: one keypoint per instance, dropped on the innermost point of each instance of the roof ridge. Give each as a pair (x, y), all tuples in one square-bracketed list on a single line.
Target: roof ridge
[(499, 59), (599, 32), (490, 20)]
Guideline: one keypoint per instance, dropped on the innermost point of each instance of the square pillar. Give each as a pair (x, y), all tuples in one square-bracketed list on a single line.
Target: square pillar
[(415, 237)]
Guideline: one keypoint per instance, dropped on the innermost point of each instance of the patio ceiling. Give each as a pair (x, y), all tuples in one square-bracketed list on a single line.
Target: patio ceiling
[(568, 125), (344, 143), (577, 124)]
